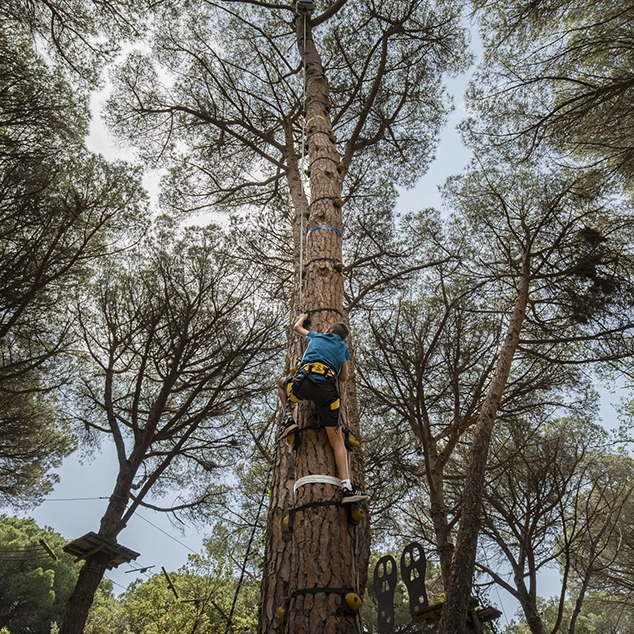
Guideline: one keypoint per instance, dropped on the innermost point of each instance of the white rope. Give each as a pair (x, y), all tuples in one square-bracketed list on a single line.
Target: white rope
[(302, 211), (316, 479)]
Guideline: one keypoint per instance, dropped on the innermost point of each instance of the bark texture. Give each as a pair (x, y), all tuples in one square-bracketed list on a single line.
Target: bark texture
[(90, 577)]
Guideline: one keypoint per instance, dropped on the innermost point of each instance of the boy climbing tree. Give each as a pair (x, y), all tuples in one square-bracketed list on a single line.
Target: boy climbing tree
[(324, 363)]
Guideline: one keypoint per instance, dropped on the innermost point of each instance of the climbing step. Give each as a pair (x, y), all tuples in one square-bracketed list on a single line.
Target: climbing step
[(384, 584), (356, 514), (316, 479), (413, 566)]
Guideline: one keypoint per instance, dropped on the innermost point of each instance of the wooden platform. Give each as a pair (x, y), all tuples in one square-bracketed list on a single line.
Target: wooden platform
[(432, 614), (91, 543)]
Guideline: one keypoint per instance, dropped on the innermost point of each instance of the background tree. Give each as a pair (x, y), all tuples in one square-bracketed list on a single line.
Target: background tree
[(204, 587), (555, 496), (79, 36), (566, 286), (107, 614), (34, 587), (601, 614), (429, 356), (177, 337)]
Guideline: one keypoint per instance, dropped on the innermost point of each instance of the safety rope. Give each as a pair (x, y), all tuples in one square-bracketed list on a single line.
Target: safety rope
[(301, 221)]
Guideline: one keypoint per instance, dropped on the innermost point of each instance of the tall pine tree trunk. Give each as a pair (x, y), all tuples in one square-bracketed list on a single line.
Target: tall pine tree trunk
[(81, 599), (95, 566), (456, 607), (306, 566)]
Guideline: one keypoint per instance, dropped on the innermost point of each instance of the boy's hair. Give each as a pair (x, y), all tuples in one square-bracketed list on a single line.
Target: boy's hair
[(340, 329)]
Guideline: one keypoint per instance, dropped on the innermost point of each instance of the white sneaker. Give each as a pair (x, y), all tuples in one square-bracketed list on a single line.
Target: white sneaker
[(354, 495)]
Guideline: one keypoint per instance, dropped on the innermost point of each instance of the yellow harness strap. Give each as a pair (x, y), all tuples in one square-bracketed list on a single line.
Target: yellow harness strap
[(316, 367)]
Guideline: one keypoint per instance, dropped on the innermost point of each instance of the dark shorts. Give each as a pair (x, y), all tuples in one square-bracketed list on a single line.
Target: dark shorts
[(323, 393)]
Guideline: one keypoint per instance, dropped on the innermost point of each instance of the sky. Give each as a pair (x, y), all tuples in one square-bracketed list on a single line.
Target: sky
[(78, 501)]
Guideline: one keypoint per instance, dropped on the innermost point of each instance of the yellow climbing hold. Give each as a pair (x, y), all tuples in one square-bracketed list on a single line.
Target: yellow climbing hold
[(353, 601), (290, 439), (286, 522), (281, 613), (358, 515)]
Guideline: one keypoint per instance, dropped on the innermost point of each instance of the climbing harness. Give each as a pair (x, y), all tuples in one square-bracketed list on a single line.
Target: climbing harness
[(322, 369), (292, 433)]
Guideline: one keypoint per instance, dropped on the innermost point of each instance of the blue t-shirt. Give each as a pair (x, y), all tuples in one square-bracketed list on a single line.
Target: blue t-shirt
[(328, 348)]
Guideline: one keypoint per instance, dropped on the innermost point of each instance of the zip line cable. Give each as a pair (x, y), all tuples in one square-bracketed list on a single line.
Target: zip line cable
[(103, 497), (166, 533), (248, 552)]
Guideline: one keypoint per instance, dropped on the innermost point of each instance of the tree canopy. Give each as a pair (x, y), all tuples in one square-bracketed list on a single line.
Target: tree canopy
[(61, 211)]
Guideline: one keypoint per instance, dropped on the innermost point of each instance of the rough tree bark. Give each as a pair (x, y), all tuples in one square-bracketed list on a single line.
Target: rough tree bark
[(322, 550)]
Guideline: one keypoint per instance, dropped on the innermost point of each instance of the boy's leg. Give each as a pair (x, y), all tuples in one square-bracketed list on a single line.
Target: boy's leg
[(288, 423), (281, 391), (336, 440)]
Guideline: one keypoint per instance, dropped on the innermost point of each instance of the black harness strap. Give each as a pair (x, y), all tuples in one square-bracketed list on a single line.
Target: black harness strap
[(324, 158), (311, 505), (320, 310), (337, 265), (325, 590)]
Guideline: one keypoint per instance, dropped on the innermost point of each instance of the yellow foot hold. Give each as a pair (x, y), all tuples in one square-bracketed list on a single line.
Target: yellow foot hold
[(358, 514), (353, 601)]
